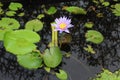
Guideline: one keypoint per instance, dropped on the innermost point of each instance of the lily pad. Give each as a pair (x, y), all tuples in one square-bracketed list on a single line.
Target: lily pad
[(51, 10), (52, 57), (15, 6), (9, 23), (34, 25), (40, 16), (30, 60), (89, 24), (10, 13), (20, 41), (75, 10), (62, 75), (94, 36)]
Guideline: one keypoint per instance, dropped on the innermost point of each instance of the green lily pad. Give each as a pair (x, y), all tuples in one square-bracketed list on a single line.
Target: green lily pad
[(62, 75), (20, 41), (10, 13), (9, 23), (30, 60), (15, 6), (1, 11), (94, 36), (51, 10), (34, 25), (75, 10), (52, 57)]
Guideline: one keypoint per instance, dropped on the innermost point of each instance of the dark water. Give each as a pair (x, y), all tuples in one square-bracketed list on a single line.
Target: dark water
[(81, 65)]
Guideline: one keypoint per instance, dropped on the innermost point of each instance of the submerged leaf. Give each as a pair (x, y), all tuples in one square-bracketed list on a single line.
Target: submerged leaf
[(15, 6), (52, 57), (34, 25), (20, 41), (94, 36), (75, 10), (30, 60)]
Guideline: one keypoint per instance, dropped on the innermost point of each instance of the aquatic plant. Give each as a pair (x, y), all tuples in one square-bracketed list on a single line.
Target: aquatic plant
[(116, 9), (107, 75), (15, 6), (62, 24)]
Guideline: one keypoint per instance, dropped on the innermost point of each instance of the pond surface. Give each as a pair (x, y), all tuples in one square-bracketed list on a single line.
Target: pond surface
[(81, 65)]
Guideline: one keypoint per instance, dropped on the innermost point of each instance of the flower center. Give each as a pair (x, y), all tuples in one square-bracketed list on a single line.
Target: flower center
[(63, 26)]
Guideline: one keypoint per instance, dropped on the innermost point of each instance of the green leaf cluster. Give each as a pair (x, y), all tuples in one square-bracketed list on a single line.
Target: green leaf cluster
[(116, 9), (107, 75)]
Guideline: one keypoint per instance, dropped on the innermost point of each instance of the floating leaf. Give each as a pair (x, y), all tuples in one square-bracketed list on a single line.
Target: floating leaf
[(62, 75), (30, 60), (15, 6), (9, 23), (40, 16), (1, 4), (52, 57), (89, 24), (75, 10), (47, 69), (94, 36), (10, 13), (51, 10), (20, 41), (116, 10), (34, 25)]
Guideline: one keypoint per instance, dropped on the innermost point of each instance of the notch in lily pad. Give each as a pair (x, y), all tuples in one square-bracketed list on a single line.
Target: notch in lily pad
[(20, 41), (94, 36), (30, 61), (35, 25), (75, 10), (15, 6)]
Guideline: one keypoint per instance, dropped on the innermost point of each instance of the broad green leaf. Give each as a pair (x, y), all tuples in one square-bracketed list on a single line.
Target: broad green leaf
[(75, 10), (1, 4), (1, 11), (62, 75), (51, 10), (10, 13), (9, 23), (52, 57), (30, 60), (34, 25), (20, 41), (15, 6), (94, 36), (89, 24)]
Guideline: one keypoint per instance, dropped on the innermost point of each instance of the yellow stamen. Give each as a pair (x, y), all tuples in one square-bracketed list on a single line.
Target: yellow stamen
[(62, 26)]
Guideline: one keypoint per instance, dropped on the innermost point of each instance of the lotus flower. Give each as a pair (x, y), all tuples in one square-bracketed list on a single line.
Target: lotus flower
[(62, 24)]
